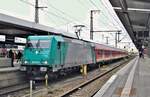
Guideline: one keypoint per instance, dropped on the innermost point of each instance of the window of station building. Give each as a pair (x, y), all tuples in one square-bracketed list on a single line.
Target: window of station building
[(143, 34), (146, 33), (140, 34)]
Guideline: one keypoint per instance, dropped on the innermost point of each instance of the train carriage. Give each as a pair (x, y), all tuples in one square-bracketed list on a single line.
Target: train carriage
[(50, 54)]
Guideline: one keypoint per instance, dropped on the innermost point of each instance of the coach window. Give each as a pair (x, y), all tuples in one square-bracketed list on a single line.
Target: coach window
[(98, 52)]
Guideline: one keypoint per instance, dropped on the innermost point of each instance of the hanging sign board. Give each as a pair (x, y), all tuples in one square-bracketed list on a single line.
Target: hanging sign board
[(2, 37), (20, 40)]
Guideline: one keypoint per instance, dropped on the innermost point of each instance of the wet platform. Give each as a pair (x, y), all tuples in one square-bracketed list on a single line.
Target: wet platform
[(133, 80)]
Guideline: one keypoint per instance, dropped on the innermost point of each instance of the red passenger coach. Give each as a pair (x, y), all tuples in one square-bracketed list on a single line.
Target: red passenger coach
[(105, 53)]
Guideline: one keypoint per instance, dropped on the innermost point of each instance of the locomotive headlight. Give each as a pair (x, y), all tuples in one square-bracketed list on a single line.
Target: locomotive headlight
[(43, 69), (36, 52), (25, 62), (45, 62)]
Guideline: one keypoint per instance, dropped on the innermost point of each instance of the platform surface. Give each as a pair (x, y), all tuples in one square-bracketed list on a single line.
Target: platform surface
[(133, 80), (5, 66)]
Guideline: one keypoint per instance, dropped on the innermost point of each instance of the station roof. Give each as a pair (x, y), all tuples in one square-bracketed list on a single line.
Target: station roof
[(135, 16), (18, 27)]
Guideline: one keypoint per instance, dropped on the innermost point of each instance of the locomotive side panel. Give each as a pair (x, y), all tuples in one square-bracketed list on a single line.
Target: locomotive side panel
[(78, 53)]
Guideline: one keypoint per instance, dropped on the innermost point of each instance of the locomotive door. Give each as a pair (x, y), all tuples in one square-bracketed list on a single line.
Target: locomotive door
[(93, 54), (60, 53)]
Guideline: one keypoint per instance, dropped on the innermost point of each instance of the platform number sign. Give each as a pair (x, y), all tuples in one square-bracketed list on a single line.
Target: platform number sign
[(2, 37)]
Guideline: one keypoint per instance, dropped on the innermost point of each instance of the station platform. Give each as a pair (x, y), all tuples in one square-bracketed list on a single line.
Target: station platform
[(5, 65), (133, 80)]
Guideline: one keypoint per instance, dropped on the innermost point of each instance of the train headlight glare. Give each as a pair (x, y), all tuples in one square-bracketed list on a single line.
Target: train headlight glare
[(36, 52), (25, 62), (45, 62)]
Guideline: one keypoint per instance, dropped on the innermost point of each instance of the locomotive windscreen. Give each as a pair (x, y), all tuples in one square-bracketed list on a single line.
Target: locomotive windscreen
[(38, 43)]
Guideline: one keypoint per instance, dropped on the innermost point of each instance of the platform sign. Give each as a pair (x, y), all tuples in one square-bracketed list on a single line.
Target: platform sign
[(21, 47), (2, 37), (20, 40)]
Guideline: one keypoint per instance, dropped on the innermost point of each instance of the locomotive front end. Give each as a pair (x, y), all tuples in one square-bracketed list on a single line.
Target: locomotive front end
[(36, 60)]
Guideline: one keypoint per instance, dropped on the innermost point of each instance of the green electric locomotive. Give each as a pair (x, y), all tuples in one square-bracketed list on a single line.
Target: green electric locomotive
[(50, 54)]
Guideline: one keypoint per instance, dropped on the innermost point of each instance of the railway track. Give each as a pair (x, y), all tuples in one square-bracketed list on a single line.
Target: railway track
[(5, 91), (11, 80), (10, 90), (88, 82)]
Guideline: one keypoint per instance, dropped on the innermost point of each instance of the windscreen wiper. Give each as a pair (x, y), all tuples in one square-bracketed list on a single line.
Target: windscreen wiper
[(38, 44)]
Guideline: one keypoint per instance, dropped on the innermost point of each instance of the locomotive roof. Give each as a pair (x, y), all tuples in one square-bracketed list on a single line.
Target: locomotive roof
[(103, 46), (60, 38), (46, 37)]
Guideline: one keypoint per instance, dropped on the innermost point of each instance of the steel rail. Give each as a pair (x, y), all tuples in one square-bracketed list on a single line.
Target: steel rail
[(67, 93)]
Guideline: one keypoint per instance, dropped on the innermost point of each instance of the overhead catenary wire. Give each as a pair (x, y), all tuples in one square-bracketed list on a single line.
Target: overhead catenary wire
[(93, 3), (68, 20), (59, 16), (65, 14), (51, 13), (48, 12), (97, 8), (104, 4), (30, 4), (83, 4), (107, 25), (115, 19), (102, 11), (62, 12), (27, 2), (110, 12)]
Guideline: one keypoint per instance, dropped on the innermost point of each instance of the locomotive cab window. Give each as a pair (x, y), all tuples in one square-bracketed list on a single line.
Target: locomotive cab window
[(38, 44)]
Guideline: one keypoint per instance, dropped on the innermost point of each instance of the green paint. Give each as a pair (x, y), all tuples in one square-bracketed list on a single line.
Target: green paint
[(54, 55)]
